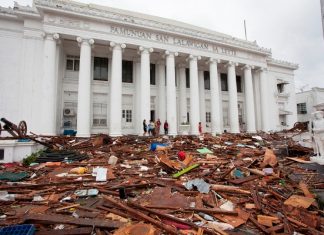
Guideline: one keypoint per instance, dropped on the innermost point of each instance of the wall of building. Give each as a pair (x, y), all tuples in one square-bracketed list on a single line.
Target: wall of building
[(11, 38), (282, 100)]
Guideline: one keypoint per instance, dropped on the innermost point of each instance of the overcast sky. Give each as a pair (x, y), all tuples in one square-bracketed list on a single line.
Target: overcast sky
[(291, 28)]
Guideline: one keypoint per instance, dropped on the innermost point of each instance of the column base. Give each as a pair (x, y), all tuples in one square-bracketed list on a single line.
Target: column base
[(216, 133), (235, 132), (194, 133), (173, 134), (48, 133), (115, 134), (86, 135), (251, 131)]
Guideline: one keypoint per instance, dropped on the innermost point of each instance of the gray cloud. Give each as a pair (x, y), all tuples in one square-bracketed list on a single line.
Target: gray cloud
[(291, 28)]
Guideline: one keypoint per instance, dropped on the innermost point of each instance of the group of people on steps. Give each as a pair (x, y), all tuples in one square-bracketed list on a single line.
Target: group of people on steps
[(153, 128)]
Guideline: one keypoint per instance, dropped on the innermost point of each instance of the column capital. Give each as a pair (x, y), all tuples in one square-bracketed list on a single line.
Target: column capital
[(87, 41), (142, 49), (231, 63), (170, 53), (213, 61), (51, 36), (193, 57), (262, 69), (117, 45), (247, 66)]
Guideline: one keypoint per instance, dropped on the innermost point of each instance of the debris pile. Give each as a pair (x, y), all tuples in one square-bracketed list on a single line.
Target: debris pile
[(229, 184)]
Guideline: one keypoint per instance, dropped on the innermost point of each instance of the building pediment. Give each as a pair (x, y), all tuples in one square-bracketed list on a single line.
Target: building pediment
[(137, 20)]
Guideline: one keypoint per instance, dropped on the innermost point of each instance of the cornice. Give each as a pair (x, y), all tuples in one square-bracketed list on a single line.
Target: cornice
[(149, 22), (19, 11), (7, 12), (282, 63)]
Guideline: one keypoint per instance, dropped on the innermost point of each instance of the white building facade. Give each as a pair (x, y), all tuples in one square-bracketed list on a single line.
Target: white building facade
[(94, 69), (309, 102)]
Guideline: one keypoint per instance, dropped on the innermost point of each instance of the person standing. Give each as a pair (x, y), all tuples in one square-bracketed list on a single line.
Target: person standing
[(149, 127), (157, 126), (200, 128), (152, 128), (144, 127), (166, 127)]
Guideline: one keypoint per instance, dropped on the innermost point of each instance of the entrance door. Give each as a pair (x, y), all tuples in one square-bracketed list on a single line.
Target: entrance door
[(153, 115)]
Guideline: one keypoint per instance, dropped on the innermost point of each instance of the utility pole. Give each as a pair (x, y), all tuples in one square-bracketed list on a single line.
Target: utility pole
[(245, 26), (322, 14)]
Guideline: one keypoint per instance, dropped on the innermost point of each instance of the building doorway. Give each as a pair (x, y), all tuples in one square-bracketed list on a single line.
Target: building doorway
[(152, 115)]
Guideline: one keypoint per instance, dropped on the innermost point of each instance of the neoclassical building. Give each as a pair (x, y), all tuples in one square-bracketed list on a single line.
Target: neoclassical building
[(95, 69)]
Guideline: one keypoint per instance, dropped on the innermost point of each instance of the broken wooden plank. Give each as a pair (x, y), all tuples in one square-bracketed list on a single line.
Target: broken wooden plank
[(73, 231), (256, 200), (229, 189), (66, 207), (244, 180), (212, 211), (63, 219), (261, 227), (142, 216), (168, 217)]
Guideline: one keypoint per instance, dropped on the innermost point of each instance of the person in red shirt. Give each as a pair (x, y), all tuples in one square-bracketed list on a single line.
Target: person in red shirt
[(166, 127), (200, 128)]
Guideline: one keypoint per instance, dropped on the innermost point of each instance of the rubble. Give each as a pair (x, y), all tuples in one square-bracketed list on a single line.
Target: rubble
[(229, 184)]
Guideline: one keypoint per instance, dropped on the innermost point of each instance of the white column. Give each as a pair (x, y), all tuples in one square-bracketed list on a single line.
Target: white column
[(49, 85), (202, 102), (84, 89), (115, 124), (215, 98), (232, 93), (264, 99), (160, 67), (249, 100), (171, 93), (138, 121), (194, 95), (182, 94), (145, 96)]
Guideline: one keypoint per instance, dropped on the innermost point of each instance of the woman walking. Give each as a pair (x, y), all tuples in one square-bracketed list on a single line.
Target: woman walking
[(144, 127)]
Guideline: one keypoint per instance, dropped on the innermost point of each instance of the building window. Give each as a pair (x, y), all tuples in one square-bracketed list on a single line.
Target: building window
[(208, 117), (280, 87), (301, 108), (100, 69), (152, 74), (72, 63), (127, 71), (238, 84), (1, 154), (99, 115), (187, 78), (127, 115), (207, 80), (224, 83)]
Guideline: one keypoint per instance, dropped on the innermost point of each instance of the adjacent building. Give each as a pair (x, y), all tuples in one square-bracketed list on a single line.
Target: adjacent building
[(95, 69), (309, 102)]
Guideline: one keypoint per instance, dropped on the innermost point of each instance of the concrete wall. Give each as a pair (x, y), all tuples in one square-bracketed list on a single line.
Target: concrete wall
[(11, 38)]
